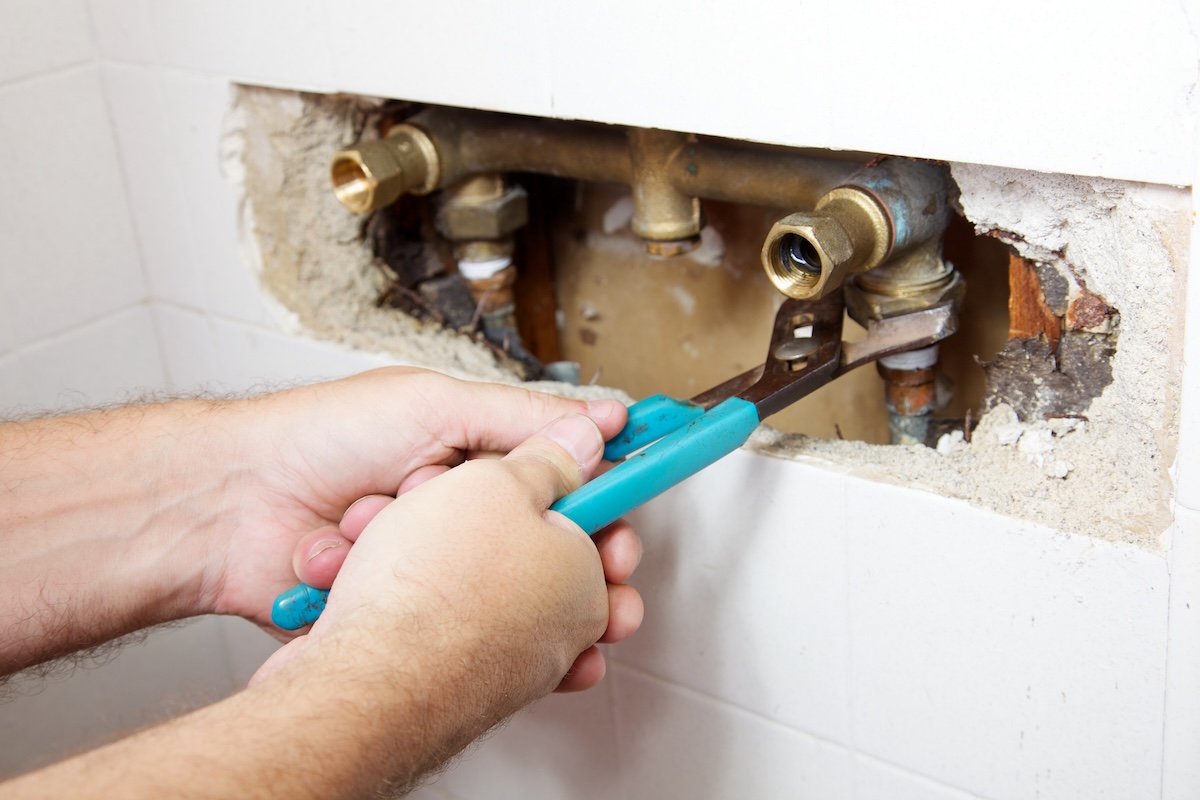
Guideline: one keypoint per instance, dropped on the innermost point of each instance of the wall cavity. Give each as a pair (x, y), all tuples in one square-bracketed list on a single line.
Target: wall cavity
[(1044, 451)]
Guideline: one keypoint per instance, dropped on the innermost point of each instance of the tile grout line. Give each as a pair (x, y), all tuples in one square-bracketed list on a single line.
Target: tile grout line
[(100, 62), (52, 338), (726, 704), (50, 72)]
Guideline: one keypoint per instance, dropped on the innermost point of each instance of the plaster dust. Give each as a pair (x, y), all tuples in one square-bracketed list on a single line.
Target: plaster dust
[(1126, 242)]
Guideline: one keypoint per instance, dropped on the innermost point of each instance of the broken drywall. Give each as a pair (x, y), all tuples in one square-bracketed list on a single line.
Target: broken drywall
[(1106, 476)]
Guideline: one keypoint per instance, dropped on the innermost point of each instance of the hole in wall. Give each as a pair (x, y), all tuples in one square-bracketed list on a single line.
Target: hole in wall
[(587, 292), (1077, 237)]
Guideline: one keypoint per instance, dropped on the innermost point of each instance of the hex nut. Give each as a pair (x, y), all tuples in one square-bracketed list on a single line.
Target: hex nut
[(827, 237), (367, 177), (863, 306), (490, 218)]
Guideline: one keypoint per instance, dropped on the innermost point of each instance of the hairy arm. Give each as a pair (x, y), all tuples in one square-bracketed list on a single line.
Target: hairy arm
[(103, 519), (460, 603)]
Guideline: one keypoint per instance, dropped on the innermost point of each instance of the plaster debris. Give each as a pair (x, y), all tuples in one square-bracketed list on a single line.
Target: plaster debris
[(951, 442)]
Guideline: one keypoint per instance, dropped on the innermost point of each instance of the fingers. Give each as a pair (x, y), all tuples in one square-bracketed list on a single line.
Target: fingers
[(421, 475), (483, 416), (361, 512), (587, 671), (319, 555), (625, 611), (620, 551), (557, 459)]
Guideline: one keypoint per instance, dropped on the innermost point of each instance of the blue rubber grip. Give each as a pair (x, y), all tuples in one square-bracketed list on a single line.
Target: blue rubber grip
[(650, 420), (299, 606), (694, 440), (645, 475)]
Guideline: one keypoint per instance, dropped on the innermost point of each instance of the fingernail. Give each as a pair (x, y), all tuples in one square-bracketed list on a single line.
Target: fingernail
[(576, 434), (352, 505), (601, 409), (322, 546)]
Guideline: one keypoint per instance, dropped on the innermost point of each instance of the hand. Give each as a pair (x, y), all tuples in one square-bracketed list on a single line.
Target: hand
[(471, 568), (309, 453)]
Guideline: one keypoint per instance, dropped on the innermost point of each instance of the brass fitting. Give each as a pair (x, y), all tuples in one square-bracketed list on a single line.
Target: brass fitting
[(808, 255), (917, 280), (667, 219), (375, 174), (880, 213), (482, 207)]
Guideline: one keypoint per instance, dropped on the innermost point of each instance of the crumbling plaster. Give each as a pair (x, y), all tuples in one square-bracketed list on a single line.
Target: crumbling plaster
[(1107, 476)]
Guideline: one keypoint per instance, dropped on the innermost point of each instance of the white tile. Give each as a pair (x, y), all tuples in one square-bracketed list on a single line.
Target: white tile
[(1000, 657), (248, 645), (41, 35), (122, 30), (158, 196), (168, 127), (676, 743), (189, 348), (173, 671), (14, 394), (744, 581), (67, 245), (609, 63), (502, 60), (564, 746), (1181, 737), (275, 42), (875, 780), (194, 111), (116, 359), (8, 337), (255, 358)]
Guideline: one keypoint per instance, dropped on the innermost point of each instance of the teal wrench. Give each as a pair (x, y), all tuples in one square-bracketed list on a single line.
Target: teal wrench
[(666, 440)]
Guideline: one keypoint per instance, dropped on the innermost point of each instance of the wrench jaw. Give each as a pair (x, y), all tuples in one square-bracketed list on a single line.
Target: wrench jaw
[(807, 351)]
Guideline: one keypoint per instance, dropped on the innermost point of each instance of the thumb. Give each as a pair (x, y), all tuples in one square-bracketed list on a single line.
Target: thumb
[(559, 458)]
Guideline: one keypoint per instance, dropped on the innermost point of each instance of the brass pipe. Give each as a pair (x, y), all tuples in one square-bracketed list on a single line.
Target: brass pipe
[(761, 175), (667, 219), (463, 142)]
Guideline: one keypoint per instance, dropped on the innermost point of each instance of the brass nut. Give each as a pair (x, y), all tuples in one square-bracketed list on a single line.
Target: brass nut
[(366, 177), (375, 174), (863, 306), (806, 254), (489, 218)]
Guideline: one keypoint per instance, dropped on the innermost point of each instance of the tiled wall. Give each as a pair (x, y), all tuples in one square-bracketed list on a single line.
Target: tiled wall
[(809, 634)]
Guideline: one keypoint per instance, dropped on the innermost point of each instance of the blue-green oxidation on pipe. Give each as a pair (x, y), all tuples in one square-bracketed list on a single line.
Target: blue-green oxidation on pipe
[(694, 440)]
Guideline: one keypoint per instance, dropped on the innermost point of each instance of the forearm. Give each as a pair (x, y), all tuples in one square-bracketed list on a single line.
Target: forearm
[(345, 719), (102, 519)]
